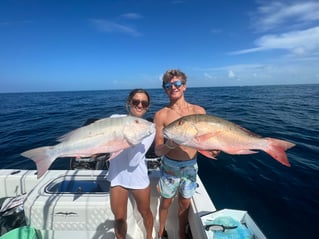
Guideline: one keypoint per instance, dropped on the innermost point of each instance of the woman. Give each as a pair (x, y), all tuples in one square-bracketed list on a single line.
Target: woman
[(128, 173)]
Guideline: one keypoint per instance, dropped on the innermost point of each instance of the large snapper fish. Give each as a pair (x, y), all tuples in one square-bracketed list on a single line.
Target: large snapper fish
[(208, 132), (107, 135)]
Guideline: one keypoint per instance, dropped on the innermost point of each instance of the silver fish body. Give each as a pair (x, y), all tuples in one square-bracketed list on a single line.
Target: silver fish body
[(107, 135)]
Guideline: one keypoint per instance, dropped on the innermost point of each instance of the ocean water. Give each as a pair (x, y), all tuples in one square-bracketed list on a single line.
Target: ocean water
[(284, 201)]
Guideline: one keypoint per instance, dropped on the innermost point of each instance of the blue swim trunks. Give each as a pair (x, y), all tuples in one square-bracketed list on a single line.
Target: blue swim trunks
[(178, 175)]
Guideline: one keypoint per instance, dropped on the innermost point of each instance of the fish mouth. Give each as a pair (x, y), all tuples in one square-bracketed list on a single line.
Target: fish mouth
[(165, 134), (152, 128)]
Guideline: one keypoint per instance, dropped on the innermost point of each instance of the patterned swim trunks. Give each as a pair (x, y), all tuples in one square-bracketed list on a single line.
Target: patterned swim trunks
[(178, 175)]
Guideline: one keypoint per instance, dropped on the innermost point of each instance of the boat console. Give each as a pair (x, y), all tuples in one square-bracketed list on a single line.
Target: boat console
[(76, 201)]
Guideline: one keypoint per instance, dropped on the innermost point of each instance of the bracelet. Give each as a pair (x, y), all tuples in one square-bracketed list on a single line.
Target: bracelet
[(170, 147)]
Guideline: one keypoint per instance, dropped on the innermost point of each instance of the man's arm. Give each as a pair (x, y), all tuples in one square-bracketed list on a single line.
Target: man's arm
[(161, 147)]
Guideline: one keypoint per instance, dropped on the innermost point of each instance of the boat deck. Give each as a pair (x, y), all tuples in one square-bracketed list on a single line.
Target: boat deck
[(75, 204)]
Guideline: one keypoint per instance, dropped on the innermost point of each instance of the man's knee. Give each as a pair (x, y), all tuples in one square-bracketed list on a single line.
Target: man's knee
[(184, 203)]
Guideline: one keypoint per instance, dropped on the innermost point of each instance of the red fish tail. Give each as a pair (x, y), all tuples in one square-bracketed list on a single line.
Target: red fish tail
[(276, 148), (42, 157)]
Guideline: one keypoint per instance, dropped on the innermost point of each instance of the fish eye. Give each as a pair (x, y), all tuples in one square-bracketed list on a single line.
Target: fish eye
[(180, 122)]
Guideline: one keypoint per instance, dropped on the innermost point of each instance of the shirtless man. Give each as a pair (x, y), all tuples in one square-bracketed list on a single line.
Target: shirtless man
[(179, 165)]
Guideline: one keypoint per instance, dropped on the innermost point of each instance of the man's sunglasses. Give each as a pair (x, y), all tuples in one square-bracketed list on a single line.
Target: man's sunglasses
[(177, 84), (144, 103)]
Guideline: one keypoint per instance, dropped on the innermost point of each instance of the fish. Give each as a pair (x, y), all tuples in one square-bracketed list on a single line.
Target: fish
[(106, 135), (208, 132)]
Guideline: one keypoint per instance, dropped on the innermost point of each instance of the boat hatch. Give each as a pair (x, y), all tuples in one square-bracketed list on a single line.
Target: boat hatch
[(78, 185)]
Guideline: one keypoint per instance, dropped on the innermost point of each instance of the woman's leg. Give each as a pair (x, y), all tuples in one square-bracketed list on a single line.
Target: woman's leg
[(119, 198), (143, 201)]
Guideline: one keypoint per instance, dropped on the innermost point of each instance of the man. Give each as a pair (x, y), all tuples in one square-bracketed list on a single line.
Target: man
[(179, 164)]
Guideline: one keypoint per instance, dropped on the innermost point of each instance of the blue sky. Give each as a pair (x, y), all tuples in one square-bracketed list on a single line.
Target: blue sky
[(61, 45)]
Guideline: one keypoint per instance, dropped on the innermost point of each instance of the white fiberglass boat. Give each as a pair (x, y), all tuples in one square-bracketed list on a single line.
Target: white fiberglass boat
[(75, 204)]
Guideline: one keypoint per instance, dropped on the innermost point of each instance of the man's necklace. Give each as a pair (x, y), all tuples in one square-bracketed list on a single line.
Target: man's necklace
[(180, 110)]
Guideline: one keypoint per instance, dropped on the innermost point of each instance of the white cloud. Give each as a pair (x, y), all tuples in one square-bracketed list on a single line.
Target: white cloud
[(275, 14), (109, 26), (290, 30), (231, 74), (290, 26), (215, 31), (233, 67), (288, 72), (297, 42), (15, 23), (131, 16), (208, 76)]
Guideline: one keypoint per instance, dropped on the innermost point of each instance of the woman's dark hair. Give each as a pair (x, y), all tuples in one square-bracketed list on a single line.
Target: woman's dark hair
[(134, 92)]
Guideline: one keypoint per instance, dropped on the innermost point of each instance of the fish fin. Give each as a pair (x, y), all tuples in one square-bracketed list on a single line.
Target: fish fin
[(244, 151), (247, 131), (207, 154), (42, 158), (205, 137), (276, 148)]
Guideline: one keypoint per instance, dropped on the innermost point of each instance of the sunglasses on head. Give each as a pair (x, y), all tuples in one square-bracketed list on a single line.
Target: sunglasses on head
[(144, 103), (177, 84)]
